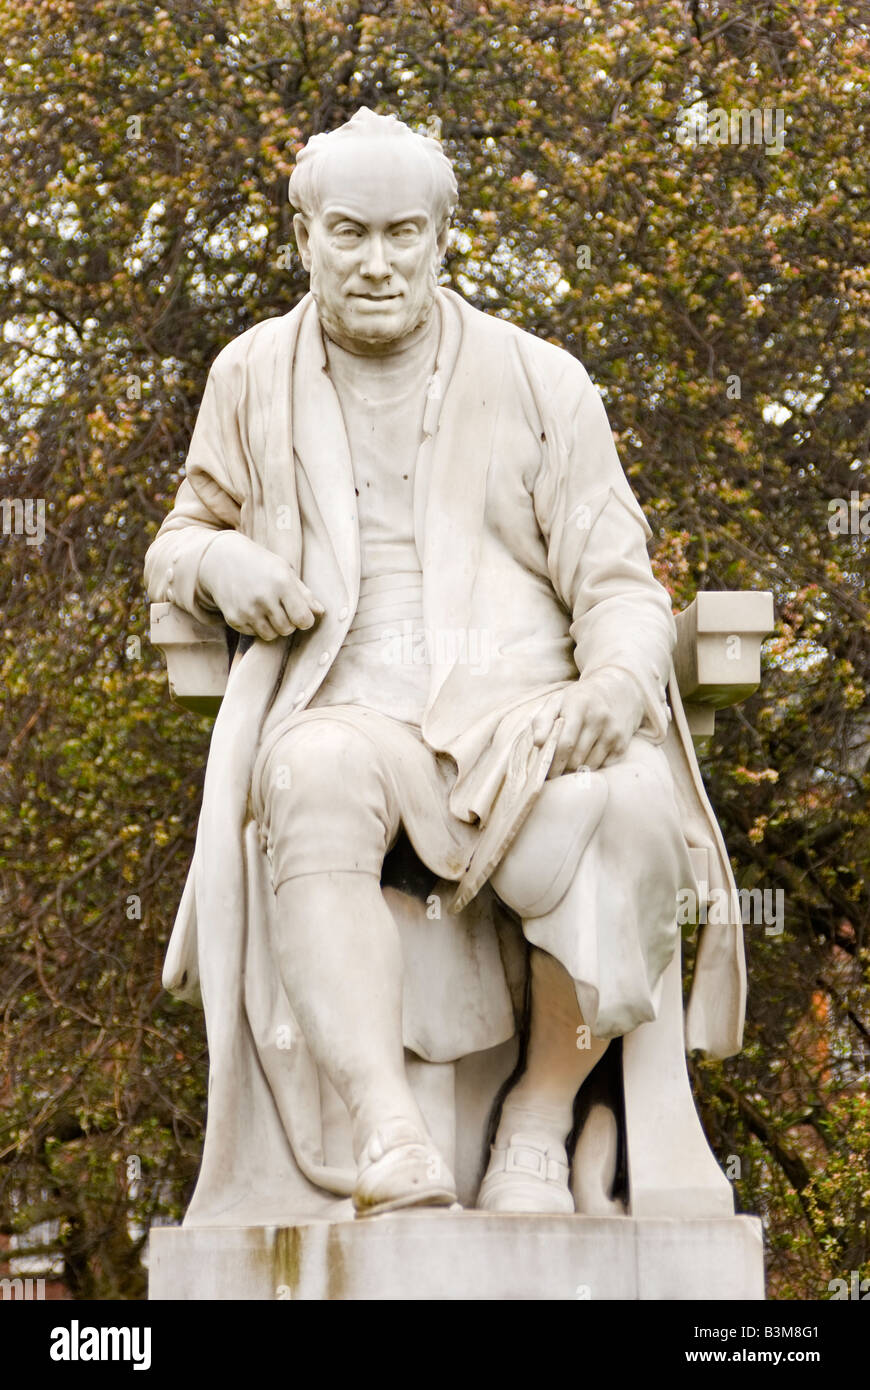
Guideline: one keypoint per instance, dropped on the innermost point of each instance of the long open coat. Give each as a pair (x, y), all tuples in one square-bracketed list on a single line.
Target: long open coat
[(532, 543)]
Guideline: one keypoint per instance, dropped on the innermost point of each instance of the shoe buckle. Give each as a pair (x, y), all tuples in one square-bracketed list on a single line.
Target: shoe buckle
[(521, 1160)]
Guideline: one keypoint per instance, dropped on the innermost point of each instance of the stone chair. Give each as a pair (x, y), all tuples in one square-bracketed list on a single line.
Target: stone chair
[(640, 1149)]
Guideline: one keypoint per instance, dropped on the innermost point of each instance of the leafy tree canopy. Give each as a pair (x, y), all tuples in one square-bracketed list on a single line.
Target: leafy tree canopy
[(717, 293)]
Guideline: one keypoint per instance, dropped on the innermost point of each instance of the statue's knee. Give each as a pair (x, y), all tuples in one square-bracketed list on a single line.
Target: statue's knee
[(326, 803), (640, 794), (321, 764)]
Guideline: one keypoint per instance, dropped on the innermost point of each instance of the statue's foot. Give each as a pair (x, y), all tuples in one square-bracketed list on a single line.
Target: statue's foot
[(400, 1167), (528, 1173)]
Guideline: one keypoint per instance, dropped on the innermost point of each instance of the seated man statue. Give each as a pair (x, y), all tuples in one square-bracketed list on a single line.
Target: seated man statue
[(415, 514)]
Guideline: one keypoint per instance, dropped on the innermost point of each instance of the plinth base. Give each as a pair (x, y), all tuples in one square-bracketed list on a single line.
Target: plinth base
[(462, 1255)]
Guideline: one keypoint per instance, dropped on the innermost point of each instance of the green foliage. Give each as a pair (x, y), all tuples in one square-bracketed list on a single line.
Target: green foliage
[(144, 156)]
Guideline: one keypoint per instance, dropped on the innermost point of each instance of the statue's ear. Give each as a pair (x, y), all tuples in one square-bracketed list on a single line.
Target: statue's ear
[(300, 231), (441, 238)]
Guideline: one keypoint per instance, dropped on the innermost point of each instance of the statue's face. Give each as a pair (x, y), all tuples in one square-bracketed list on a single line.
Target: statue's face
[(373, 249)]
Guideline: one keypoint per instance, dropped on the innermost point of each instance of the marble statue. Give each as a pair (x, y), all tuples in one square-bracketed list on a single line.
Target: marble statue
[(449, 798)]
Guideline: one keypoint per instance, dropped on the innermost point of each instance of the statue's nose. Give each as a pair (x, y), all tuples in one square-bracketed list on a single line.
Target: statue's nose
[(375, 265)]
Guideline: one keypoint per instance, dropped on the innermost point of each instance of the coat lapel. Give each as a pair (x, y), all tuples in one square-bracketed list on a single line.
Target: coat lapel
[(323, 453), (459, 429)]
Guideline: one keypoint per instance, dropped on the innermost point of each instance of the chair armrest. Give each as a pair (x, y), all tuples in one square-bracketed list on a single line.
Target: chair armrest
[(717, 660), (718, 655), (197, 656)]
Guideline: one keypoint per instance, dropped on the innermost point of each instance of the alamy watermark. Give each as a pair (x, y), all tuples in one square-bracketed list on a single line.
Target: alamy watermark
[(77, 1343), (719, 906), (850, 516), (855, 1288), (22, 1290), (409, 645), (699, 124), (23, 516)]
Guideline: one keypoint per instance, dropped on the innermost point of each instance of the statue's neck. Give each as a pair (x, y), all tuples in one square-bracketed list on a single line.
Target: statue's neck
[(390, 378), (397, 349)]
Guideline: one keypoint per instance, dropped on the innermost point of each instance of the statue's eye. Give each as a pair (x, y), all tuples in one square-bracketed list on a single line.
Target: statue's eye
[(404, 233), (347, 232)]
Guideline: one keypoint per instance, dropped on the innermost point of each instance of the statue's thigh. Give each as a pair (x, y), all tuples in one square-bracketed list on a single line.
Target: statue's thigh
[(641, 800)]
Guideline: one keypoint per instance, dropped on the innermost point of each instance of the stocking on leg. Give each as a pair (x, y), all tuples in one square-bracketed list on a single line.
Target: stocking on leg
[(341, 965), (556, 1063), (528, 1169)]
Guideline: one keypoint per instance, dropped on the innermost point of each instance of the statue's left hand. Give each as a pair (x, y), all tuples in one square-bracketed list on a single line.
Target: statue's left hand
[(601, 713)]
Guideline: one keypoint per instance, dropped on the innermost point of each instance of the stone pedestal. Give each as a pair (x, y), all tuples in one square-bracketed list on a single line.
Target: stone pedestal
[(463, 1255)]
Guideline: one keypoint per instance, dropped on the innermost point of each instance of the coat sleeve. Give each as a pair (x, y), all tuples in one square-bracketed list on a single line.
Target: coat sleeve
[(208, 501), (596, 537)]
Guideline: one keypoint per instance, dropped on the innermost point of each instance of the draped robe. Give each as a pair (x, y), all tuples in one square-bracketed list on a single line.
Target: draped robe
[(529, 533)]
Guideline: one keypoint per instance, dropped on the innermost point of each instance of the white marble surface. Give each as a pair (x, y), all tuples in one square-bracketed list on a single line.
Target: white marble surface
[(387, 451), (464, 1256)]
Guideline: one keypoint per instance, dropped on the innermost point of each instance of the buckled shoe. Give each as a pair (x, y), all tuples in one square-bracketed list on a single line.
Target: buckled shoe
[(530, 1173), (400, 1167)]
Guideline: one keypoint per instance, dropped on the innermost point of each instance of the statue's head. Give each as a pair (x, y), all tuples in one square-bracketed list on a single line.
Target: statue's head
[(374, 201)]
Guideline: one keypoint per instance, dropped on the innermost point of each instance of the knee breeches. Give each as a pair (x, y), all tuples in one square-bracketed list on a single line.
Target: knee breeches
[(326, 799)]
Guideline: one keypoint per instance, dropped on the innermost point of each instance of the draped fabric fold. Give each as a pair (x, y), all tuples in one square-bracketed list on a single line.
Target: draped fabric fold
[(533, 555)]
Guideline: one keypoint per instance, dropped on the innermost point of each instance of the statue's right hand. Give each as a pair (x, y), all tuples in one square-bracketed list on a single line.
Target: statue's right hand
[(257, 592)]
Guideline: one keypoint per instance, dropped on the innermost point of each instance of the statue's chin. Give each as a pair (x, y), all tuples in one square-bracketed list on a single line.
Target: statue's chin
[(354, 334)]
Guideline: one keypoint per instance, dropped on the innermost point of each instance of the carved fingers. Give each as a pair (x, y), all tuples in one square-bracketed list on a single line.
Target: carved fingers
[(257, 591), (601, 715)]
